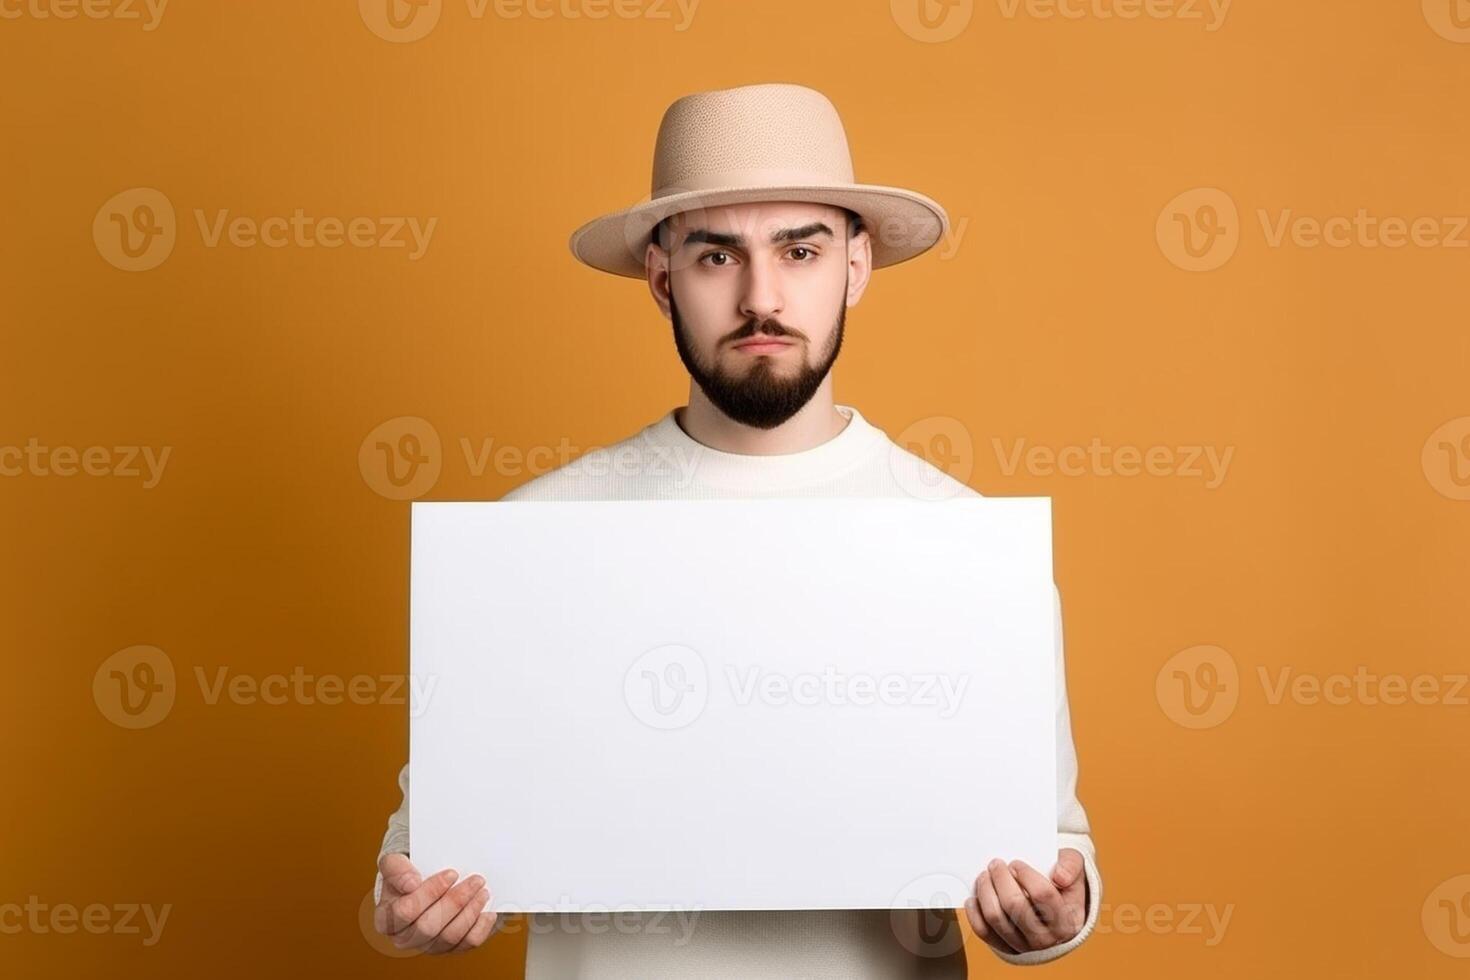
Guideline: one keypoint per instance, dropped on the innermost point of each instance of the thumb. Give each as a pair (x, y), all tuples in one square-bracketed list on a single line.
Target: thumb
[(1068, 868), (399, 874)]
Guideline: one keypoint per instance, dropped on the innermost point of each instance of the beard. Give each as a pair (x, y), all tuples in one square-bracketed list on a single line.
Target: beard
[(761, 398)]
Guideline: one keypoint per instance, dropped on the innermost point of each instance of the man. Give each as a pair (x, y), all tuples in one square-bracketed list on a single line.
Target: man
[(754, 243)]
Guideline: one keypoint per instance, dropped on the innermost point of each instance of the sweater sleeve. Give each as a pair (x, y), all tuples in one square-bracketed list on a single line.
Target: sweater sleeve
[(1072, 826), (395, 840)]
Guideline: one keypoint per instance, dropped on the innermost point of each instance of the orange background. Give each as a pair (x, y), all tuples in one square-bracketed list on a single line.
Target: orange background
[(1059, 319)]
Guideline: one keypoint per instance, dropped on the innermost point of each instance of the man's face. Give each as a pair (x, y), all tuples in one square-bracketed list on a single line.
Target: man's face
[(758, 295)]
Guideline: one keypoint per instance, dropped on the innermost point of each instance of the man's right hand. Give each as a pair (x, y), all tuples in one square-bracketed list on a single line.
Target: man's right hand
[(435, 914)]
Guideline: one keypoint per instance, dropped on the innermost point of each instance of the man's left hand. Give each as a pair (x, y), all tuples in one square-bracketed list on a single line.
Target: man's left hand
[(1016, 909)]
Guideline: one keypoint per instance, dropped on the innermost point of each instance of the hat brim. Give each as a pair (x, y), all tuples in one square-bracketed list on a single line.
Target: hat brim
[(901, 223)]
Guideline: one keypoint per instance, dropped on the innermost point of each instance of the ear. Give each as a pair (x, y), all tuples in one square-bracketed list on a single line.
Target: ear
[(859, 265), (656, 268)]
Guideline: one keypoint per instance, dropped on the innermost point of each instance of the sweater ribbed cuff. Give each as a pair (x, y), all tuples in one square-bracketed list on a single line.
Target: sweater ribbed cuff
[(394, 842)]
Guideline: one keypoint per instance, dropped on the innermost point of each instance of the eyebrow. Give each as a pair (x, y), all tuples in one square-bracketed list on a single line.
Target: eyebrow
[(738, 241)]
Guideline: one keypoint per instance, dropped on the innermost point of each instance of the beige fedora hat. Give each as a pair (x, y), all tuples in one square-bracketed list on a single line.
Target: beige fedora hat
[(769, 142)]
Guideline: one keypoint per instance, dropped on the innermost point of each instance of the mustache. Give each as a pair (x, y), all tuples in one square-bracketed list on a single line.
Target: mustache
[(772, 328)]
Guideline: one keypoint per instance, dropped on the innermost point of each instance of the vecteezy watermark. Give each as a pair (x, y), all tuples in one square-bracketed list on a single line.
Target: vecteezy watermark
[(934, 895), (932, 21), (1363, 229), (147, 13), (679, 13), (405, 21), (625, 460), (1199, 687), (366, 912), (1208, 13), (1200, 229), (136, 230), (922, 914), (942, 692), (936, 21), (400, 21), (1364, 687), (1450, 19), (946, 445), (402, 459), (1203, 919), (558, 916), (98, 918), (136, 687), (302, 230), (116, 462), (669, 686), (600, 918), (933, 457), (300, 687), (1205, 463), (1446, 916), (1446, 458)]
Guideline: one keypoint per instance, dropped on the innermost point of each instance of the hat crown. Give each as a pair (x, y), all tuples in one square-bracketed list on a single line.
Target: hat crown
[(750, 145), (769, 134)]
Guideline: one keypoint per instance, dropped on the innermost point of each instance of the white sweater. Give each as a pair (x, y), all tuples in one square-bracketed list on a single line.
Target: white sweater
[(663, 462)]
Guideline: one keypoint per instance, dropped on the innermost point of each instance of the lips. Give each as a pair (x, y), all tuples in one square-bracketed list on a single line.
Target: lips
[(762, 344)]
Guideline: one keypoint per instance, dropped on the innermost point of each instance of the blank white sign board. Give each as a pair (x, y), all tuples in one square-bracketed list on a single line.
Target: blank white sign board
[(732, 704)]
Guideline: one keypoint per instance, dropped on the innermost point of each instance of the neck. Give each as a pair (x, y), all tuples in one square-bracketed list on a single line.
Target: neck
[(816, 422)]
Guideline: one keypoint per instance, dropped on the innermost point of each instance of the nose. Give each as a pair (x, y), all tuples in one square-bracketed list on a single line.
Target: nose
[(761, 299)]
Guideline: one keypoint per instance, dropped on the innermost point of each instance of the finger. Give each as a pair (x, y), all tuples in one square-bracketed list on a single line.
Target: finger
[(459, 926), (479, 932), (402, 911), (1017, 906), (982, 928), (399, 874), (1068, 869), (396, 871), (399, 878), (432, 920), (995, 916), (1045, 898)]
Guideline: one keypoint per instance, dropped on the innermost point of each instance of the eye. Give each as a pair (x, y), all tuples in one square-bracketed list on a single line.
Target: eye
[(803, 248), (711, 255)]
